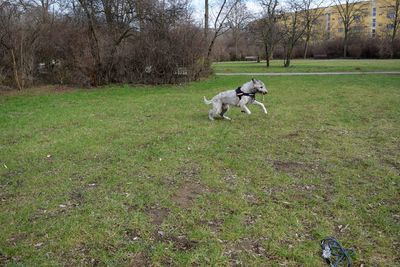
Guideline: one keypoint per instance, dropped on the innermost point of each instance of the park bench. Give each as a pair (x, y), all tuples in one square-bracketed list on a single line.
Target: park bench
[(252, 58), (320, 56)]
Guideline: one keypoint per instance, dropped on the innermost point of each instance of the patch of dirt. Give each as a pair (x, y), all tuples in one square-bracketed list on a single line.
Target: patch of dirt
[(41, 213), (214, 225), (251, 199), (140, 259), (37, 90), (249, 246), (77, 197), (157, 215), (305, 188), (11, 177), (230, 177), (17, 238), (293, 167), (63, 88), (189, 171), (291, 135), (181, 242), (187, 193), (131, 207), (80, 256), (252, 219), (132, 235), (289, 166), (5, 260), (61, 210), (6, 196)]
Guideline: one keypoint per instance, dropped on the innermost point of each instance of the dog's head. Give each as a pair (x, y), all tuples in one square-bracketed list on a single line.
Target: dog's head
[(259, 86)]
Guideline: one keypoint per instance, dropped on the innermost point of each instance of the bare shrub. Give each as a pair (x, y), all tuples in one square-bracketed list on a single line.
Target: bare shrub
[(93, 42)]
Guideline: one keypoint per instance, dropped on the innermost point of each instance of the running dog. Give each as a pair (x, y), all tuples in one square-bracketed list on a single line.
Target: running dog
[(246, 94)]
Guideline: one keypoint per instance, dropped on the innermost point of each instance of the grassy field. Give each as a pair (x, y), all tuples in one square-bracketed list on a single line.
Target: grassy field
[(310, 66), (138, 175)]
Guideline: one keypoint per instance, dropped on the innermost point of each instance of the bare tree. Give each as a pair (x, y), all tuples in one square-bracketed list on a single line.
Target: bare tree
[(9, 17), (206, 18), (350, 12), (312, 12), (23, 23), (89, 8), (394, 18), (294, 28), (220, 25), (269, 26), (238, 20)]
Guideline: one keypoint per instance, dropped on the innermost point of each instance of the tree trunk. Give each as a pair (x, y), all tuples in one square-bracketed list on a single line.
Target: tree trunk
[(267, 55), (93, 44), (306, 45), (15, 70), (236, 47), (288, 57), (287, 62), (393, 43), (210, 47), (345, 44)]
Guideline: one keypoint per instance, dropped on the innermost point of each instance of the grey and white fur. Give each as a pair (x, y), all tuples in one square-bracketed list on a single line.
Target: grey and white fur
[(223, 100)]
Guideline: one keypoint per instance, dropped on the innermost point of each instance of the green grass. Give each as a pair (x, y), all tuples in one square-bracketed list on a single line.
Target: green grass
[(336, 65), (132, 175)]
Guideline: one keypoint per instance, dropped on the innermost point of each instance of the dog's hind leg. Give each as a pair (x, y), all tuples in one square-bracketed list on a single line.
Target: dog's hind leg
[(215, 111), (211, 114), (261, 105), (225, 108)]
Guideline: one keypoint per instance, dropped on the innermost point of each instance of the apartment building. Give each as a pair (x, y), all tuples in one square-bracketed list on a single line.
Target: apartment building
[(374, 18)]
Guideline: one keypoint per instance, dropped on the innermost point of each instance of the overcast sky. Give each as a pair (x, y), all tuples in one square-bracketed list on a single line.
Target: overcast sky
[(198, 7), (252, 5)]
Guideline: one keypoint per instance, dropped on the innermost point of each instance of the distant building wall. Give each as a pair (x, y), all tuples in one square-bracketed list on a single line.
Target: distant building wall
[(374, 21)]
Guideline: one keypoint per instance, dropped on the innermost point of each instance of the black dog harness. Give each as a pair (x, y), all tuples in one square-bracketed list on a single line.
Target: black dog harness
[(240, 93)]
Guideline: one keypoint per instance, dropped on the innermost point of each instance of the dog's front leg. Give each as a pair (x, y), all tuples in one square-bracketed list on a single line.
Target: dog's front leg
[(245, 109), (260, 105)]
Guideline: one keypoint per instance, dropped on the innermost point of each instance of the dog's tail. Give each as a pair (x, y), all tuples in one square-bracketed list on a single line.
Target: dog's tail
[(207, 102)]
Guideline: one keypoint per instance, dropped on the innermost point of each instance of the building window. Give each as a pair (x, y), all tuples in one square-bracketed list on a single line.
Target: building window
[(391, 14), (374, 12), (390, 26), (340, 30), (373, 23), (357, 18), (357, 29)]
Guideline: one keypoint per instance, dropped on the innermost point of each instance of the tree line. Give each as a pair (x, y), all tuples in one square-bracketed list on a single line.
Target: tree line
[(292, 29)]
